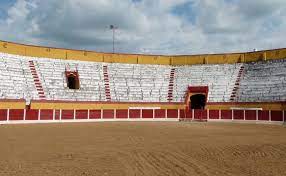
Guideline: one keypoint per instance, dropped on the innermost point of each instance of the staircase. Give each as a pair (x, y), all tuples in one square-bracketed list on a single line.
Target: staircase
[(235, 89), (37, 81), (106, 83), (171, 85)]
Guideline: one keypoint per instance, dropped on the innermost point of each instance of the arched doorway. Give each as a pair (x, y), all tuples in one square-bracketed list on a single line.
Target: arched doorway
[(198, 101), (71, 82), (72, 79)]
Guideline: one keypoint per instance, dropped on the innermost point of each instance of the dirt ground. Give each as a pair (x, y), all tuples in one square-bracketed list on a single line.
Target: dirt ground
[(142, 148)]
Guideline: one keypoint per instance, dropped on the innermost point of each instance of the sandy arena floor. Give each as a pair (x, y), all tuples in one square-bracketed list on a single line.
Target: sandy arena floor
[(135, 149)]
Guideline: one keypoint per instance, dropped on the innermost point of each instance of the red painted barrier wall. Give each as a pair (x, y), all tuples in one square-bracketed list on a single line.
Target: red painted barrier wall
[(3, 114), (276, 116), (172, 113), (182, 114), (108, 114), (160, 113), (213, 114), (47, 114), (57, 114), (200, 114), (134, 113), (122, 114), (147, 113), (263, 115), (16, 114), (226, 114), (250, 115), (32, 114), (189, 114), (81, 114), (238, 114), (67, 114), (94, 114)]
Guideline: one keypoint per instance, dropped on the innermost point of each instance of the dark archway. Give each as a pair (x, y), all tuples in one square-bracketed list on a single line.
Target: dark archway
[(71, 82), (198, 101)]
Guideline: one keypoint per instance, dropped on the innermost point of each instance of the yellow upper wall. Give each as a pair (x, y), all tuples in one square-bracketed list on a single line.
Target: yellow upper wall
[(12, 104), (58, 53)]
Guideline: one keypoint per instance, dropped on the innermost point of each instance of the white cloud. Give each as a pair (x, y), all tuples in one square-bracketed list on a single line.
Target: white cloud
[(148, 26)]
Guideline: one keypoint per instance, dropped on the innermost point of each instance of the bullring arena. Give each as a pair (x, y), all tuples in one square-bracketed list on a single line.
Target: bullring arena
[(72, 112)]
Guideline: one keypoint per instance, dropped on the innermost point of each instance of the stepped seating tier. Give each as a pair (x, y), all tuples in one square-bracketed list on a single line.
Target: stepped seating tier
[(264, 81), (260, 81)]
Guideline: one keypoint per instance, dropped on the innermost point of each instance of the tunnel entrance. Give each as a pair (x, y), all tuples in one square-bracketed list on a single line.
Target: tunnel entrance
[(71, 82), (72, 79), (198, 101)]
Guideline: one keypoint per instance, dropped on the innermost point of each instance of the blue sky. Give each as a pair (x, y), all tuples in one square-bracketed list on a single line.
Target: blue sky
[(4, 5), (147, 26)]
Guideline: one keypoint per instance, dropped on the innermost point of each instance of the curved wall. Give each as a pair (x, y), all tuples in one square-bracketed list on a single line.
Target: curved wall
[(13, 104), (58, 53), (37, 51), (38, 104)]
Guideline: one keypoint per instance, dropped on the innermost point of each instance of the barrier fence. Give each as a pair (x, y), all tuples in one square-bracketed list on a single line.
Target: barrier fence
[(247, 115), (7, 115)]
